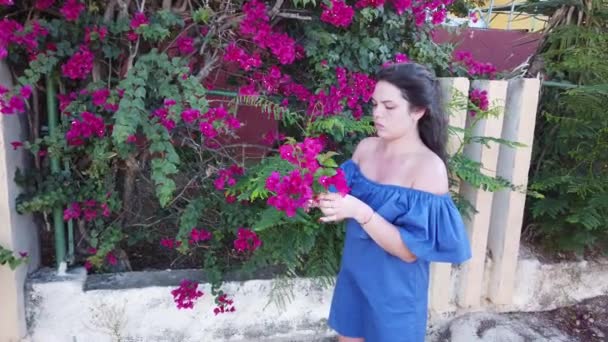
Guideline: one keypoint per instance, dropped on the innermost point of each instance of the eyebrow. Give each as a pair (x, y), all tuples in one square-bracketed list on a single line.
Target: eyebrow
[(385, 101)]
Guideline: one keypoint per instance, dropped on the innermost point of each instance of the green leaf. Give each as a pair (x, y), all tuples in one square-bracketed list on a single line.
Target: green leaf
[(270, 217)]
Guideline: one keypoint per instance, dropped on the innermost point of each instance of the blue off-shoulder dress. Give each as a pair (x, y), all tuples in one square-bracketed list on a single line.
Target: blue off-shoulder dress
[(377, 295)]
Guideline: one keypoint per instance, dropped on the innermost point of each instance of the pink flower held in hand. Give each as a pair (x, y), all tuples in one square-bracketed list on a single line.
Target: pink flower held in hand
[(338, 181)]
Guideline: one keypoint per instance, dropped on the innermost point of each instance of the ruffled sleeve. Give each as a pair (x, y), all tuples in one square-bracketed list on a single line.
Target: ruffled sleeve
[(432, 229)]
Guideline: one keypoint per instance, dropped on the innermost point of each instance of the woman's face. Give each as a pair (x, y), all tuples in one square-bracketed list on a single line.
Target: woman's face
[(393, 116)]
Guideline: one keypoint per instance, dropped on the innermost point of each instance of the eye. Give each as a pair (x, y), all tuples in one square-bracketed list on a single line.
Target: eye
[(390, 107)]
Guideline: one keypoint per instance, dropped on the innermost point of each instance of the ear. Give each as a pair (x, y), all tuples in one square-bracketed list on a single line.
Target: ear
[(417, 113)]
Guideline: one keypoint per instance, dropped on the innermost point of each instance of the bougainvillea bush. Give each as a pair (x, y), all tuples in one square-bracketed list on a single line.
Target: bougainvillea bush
[(144, 158)]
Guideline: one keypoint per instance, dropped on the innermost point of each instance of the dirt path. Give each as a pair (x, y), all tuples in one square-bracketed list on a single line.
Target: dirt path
[(583, 322)]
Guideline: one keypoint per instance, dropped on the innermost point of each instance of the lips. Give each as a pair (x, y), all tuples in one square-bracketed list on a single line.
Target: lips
[(377, 125)]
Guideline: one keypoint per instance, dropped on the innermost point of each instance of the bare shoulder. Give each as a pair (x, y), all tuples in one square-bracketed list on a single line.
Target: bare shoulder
[(365, 148), (432, 175)]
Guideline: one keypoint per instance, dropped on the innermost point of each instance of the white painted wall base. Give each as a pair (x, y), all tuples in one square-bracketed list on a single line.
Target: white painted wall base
[(60, 310)]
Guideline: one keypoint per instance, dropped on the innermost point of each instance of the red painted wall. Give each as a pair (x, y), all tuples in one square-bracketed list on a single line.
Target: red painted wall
[(505, 49)]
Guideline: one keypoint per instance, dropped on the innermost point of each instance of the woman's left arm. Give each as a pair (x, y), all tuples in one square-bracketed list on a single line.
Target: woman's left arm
[(385, 234)]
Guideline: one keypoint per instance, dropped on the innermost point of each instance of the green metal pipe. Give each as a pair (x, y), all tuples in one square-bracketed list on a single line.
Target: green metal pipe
[(222, 93), (51, 105)]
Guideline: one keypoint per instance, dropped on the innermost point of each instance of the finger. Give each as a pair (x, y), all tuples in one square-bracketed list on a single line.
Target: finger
[(330, 218), (327, 204)]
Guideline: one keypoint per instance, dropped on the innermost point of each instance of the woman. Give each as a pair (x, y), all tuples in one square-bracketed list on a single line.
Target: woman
[(400, 216)]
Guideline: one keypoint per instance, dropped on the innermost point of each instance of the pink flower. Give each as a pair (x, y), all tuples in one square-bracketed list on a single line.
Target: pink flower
[(283, 47), (291, 193), (248, 90), (169, 102), (43, 4), (100, 96), (16, 144), (15, 105), (131, 139), (85, 128), (207, 130), (111, 259), (71, 9), (186, 294), (95, 33), (190, 115), (88, 265), (132, 36), (246, 240), (369, 3), (339, 14), (227, 176), (235, 54), (26, 91), (73, 211), (402, 5), (401, 58), (338, 181), (65, 100), (233, 123), (6, 2), (80, 65), (479, 98), (439, 16), (138, 20), (198, 235), (105, 210), (185, 45), (224, 305), (474, 17), (474, 67), (170, 243), (23, 254), (169, 124)]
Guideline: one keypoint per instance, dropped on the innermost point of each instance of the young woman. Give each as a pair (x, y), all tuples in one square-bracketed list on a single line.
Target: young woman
[(400, 216)]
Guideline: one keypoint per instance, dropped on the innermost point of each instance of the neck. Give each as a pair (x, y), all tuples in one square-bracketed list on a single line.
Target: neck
[(408, 144)]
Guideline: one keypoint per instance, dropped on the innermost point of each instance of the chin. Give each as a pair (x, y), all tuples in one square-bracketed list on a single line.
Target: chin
[(385, 135)]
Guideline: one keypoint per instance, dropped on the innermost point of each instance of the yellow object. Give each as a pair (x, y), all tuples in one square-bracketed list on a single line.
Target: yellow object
[(501, 17)]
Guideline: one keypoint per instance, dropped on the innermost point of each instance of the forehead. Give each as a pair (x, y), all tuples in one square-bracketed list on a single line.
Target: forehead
[(385, 91)]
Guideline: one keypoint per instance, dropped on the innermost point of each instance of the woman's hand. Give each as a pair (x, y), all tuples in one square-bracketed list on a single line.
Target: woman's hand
[(337, 208)]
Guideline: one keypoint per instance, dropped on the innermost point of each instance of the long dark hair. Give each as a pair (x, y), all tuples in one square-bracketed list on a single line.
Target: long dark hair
[(420, 88)]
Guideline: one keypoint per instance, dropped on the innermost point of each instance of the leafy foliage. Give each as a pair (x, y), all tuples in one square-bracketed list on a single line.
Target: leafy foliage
[(571, 150), (7, 257)]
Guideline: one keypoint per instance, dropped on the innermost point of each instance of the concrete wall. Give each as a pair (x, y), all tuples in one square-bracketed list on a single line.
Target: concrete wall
[(138, 306), (17, 232)]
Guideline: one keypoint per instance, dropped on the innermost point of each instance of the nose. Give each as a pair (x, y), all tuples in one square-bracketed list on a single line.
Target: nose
[(377, 112)]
